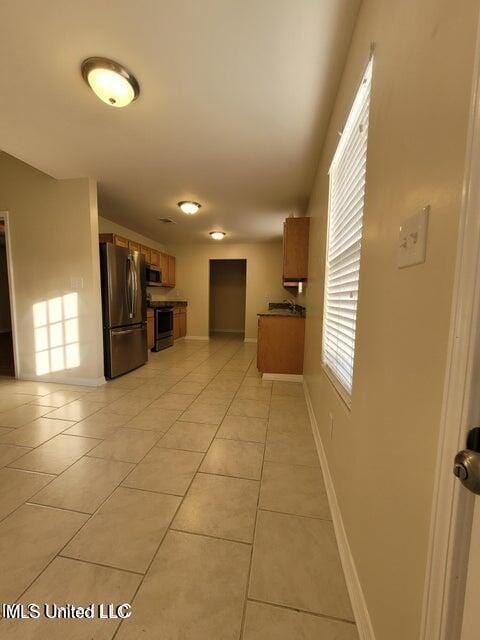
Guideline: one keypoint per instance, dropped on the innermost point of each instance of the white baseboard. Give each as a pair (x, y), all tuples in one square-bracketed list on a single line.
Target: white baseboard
[(227, 330), (83, 382), (283, 377), (197, 337), (254, 340), (357, 598)]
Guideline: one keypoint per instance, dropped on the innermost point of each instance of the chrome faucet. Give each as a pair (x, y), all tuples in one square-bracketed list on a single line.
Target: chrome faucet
[(291, 304)]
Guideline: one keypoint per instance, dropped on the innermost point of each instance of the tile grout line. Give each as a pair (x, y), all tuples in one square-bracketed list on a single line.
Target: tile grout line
[(168, 529), (11, 465), (49, 506), (31, 497), (208, 535), (75, 533), (98, 564), (249, 573), (295, 515), (296, 609), (90, 516)]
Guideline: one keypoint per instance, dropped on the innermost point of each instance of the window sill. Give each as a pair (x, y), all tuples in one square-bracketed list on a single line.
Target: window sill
[(338, 387)]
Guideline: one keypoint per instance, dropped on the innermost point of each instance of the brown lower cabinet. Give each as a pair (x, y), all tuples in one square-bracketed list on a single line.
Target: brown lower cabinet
[(280, 346), (150, 328), (179, 322)]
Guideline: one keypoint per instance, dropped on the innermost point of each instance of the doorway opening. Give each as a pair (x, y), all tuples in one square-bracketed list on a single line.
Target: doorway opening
[(228, 288), (7, 362)]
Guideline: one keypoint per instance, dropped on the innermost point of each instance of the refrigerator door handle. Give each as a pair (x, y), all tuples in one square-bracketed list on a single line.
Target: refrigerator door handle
[(129, 286), (122, 332), (135, 290)]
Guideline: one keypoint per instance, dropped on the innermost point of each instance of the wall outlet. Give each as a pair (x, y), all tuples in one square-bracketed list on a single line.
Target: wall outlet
[(330, 415)]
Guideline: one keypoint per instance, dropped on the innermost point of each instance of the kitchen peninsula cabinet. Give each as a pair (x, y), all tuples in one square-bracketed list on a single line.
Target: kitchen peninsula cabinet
[(281, 338)]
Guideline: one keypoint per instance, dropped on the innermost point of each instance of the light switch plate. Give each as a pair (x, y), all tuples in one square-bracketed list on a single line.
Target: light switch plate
[(412, 239), (76, 283)]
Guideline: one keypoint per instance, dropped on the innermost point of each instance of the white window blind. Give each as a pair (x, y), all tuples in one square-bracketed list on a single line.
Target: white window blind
[(345, 221)]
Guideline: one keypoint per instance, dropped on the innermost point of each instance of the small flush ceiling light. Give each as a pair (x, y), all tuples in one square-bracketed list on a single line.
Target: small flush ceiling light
[(189, 207), (217, 235), (110, 82)]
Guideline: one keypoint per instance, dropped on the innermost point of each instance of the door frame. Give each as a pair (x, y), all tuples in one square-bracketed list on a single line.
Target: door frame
[(452, 508), (229, 259), (5, 215)]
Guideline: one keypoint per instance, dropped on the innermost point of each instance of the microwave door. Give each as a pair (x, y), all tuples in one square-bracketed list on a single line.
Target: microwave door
[(154, 276)]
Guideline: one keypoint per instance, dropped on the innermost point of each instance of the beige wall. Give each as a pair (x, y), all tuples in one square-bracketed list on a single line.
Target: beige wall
[(227, 295), (54, 247), (264, 280), (382, 453)]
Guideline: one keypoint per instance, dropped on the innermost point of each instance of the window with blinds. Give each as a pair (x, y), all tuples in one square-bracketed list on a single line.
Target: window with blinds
[(345, 220)]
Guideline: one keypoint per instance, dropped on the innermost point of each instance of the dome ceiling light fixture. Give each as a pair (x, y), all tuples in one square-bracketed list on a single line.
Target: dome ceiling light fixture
[(189, 207), (110, 82), (217, 235)]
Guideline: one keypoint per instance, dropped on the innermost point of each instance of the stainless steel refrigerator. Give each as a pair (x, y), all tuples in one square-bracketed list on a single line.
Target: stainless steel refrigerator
[(124, 309)]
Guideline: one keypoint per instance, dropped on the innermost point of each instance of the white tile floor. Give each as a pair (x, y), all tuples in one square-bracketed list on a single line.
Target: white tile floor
[(190, 488)]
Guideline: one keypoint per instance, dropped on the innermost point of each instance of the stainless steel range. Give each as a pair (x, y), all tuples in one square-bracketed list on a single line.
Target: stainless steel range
[(163, 326)]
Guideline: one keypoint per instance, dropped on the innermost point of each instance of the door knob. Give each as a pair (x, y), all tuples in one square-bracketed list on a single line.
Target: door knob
[(466, 468)]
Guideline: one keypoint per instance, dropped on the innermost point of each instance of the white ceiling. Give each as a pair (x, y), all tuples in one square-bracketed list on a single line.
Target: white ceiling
[(235, 99)]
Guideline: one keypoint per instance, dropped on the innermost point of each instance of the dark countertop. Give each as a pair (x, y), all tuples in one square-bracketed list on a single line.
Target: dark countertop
[(283, 309), (167, 303), (281, 312)]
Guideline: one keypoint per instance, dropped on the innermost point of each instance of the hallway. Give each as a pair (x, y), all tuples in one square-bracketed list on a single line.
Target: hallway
[(7, 367), (189, 488)]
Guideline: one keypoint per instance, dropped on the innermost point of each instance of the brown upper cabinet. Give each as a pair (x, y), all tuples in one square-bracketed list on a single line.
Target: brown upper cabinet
[(145, 251), (120, 241), (171, 271), (165, 262), (164, 268), (167, 267), (295, 250)]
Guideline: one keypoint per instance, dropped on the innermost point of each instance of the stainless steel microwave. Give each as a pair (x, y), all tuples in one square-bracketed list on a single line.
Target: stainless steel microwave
[(153, 276)]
